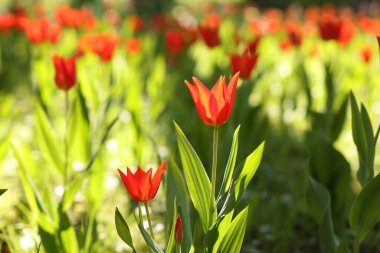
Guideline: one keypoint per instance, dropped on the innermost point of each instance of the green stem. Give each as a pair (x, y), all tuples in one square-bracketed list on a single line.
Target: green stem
[(149, 221), (213, 175), (356, 246), (177, 248), (66, 146)]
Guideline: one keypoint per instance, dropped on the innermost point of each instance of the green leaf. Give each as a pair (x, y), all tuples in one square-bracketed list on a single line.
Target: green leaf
[(197, 180), (72, 190), (338, 120), (360, 138), (176, 189), (171, 241), (67, 236), (2, 191), (46, 137), (123, 229), (79, 130), (319, 207), (214, 235), (22, 154), (365, 211), (48, 240), (243, 175), (233, 238), (148, 239), (228, 173)]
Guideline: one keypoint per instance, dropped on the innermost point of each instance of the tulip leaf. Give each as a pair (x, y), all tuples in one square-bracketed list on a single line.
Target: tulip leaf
[(48, 240), (241, 179), (197, 180), (67, 235), (365, 142), (365, 211), (176, 189), (171, 241), (79, 130), (123, 229), (46, 138), (2, 191), (72, 189), (319, 206), (338, 120), (230, 164), (233, 237), (148, 239), (217, 231)]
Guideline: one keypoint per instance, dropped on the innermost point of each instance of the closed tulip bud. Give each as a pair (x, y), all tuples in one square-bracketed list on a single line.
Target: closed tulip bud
[(178, 230), (65, 72)]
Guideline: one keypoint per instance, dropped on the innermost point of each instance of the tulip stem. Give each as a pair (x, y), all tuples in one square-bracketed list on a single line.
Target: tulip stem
[(214, 163), (177, 247), (149, 221), (66, 146)]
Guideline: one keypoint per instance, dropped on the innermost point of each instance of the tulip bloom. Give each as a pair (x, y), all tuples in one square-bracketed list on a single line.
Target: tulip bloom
[(132, 46), (209, 30), (7, 21), (366, 54), (102, 44), (214, 107), (140, 185), (174, 41), (65, 72), (178, 230), (41, 30), (244, 63)]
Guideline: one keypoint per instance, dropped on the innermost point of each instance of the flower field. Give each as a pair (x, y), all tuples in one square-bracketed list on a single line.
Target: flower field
[(189, 128)]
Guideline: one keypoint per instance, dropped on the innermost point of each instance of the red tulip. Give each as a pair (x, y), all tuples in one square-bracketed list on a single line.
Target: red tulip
[(75, 18), (7, 21), (244, 63), (209, 30), (175, 41), (178, 230), (366, 54), (378, 41), (132, 46), (214, 107), (102, 44), (41, 30), (65, 72), (140, 185), (134, 23)]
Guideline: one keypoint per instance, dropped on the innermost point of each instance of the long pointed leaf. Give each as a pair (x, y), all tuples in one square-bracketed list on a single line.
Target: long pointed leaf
[(197, 180)]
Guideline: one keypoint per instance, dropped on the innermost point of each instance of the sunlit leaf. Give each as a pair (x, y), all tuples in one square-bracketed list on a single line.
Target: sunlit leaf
[(123, 229), (197, 180), (365, 211), (233, 238)]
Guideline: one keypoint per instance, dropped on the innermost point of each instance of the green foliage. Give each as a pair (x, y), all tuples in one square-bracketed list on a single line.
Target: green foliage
[(197, 181), (365, 211), (365, 141)]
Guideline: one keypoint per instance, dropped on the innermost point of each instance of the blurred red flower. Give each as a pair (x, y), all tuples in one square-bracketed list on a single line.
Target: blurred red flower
[(243, 63), (335, 28), (65, 72), (75, 18), (132, 45), (209, 30), (140, 185), (134, 23), (214, 107), (41, 30), (366, 54), (174, 41), (102, 44), (7, 21)]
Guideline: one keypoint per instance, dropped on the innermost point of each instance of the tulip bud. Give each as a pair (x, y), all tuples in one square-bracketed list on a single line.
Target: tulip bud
[(178, 233)]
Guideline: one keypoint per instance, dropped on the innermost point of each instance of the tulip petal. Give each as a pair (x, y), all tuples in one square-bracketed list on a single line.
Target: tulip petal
[(231, 90), (219, 91), (143, 181), (203, 95), (129, 184), (156, 180), (213, 104)]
